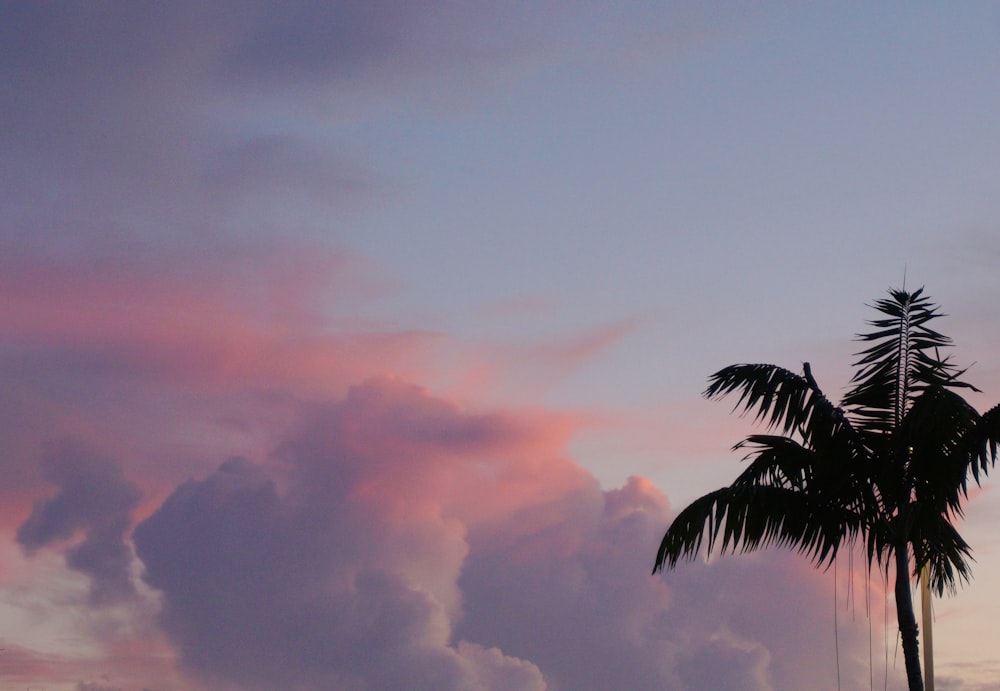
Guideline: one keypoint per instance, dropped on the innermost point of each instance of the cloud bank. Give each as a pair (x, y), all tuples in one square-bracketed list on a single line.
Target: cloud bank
[(395, 540)]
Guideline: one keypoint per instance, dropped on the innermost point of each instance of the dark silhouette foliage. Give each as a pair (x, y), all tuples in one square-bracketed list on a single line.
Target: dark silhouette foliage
[(886, 469)]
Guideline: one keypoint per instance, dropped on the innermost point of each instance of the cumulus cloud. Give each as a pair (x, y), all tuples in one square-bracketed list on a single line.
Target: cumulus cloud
[(395, 539), (94, 499), (727, 664), (324, 585), (266, 593)]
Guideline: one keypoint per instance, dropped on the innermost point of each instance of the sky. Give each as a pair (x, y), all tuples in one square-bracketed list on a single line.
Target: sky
[(360, 345)]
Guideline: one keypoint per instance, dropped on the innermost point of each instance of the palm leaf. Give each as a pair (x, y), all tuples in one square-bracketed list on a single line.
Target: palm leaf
[(933, 438), (748, 517), (782, 400), (937, 543), (829, 473), (902, 360), (981, 442)]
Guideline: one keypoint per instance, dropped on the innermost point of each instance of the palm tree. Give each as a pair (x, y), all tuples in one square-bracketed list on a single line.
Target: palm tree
[(887, 469)]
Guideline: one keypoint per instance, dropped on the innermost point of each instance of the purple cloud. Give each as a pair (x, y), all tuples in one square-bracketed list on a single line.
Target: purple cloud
[(395, 540), (94, 499), (266, 592)]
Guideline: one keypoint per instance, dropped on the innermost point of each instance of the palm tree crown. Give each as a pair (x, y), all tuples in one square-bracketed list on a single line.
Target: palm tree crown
[(888, 468)]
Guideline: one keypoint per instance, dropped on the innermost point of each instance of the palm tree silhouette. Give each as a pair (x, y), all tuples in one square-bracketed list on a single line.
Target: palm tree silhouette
[(886, 469)]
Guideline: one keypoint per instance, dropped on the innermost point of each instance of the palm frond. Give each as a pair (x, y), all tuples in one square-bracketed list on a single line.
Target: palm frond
[(903, 359), (745, 518), (775, 460), (778, 395), (828, 474), (782, 400), (938, 544), (982, 442), (932, 443)]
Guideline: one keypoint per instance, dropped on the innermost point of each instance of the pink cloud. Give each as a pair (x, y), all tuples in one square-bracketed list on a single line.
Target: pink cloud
[(371, 533), (381, 535), (22, 668), (394, 535), (533, 368), (200, 318), (168, 361), (384, 534)]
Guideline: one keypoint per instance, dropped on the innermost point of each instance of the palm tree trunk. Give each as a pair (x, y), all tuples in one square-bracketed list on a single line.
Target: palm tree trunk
[(926, 620), (908, 630)]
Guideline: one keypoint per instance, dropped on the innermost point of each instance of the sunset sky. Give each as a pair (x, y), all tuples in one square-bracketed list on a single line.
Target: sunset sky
[(360, 345)]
